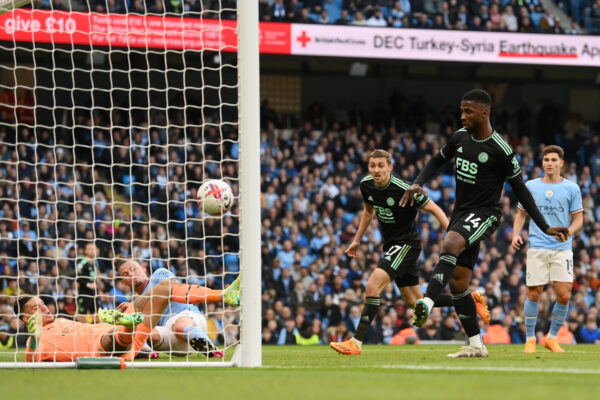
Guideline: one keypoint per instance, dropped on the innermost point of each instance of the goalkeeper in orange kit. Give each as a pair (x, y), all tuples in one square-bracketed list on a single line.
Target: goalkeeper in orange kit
[(60, 339)]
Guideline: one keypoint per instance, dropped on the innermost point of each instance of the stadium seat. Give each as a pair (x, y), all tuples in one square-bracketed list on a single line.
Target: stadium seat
[(385, 11), (232, 262), (448, 181), (129, 188), (333, 11), (535, 18)]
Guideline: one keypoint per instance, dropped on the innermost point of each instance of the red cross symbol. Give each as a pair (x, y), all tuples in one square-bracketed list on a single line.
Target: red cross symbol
[(303, 39)]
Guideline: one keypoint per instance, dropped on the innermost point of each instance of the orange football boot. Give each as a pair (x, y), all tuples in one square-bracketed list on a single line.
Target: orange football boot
[(552, 345), (482, 308), (530, 346), (348, 347)]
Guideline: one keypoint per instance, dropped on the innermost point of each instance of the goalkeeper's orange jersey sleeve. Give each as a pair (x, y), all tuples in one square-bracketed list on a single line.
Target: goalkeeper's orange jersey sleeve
[(65, 340)]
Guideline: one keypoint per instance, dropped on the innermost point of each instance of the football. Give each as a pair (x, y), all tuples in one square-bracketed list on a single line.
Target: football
[(215, 197)]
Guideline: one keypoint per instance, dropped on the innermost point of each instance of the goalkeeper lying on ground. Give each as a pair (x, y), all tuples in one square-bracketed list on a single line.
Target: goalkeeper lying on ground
[(182, 326), (60, 339)]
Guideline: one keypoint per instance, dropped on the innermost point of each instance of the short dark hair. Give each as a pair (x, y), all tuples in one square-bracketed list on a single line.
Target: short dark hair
[(478, 96), (554, 149), (20, 305), (377, 153), (120, 259)]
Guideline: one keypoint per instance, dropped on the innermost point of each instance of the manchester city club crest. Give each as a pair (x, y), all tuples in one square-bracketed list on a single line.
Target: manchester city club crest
[(482, 157), (549, 193), (390, 201)]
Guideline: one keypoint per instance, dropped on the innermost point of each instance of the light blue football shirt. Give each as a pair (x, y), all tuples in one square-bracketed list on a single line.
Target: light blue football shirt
[(173, 308), (556, 201)]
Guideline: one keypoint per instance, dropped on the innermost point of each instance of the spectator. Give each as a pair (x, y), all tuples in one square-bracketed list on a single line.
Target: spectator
[(338, 333), (438, 22), (288, 333), (324, 17), (495, 18), (399, 11), (509, 20), (496, 332), (377, 19), (279, 11), (525, 25), (304, 18), (590, 332), (547, 21), (573, 29), (344, 19)]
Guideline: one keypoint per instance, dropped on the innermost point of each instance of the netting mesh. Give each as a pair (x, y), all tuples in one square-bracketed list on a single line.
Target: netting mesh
[(107, 130)]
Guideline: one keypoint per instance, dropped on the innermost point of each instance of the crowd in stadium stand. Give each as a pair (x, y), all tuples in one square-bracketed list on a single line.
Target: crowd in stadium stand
[(311, 204), (528, 16)]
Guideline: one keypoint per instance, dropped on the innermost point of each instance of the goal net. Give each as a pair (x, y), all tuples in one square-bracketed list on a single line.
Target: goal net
[(112, 114)]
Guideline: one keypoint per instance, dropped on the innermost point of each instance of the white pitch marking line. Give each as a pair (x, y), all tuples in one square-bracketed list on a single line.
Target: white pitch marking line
[(495, 369), (459, 368)]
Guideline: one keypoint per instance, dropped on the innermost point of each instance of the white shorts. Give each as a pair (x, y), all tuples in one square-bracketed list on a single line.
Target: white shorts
[(169, 340), (545, 266)]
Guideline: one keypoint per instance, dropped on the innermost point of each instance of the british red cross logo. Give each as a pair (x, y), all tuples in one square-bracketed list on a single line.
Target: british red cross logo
[(303, 39)]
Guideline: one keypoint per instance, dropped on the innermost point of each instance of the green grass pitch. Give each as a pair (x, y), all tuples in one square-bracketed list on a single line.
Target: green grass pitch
[(309, 373)]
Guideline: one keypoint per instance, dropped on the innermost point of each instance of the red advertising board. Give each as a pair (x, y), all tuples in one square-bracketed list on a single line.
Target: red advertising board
[(136, 31)]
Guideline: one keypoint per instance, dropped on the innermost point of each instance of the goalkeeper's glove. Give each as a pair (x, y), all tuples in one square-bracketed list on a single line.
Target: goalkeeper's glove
[(34, 327)]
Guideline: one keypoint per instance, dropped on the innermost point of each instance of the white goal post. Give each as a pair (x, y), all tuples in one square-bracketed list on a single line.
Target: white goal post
[(110, 119), (248, 73)]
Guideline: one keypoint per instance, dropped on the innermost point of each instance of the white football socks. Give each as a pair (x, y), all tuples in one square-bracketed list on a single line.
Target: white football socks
[(476, 341)]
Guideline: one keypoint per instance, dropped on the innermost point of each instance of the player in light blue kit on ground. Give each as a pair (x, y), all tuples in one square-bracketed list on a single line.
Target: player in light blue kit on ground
[(549, 260), (183, 326)]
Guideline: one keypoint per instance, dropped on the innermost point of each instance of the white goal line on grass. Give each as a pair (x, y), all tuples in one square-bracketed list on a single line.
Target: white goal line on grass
[(128, 365)]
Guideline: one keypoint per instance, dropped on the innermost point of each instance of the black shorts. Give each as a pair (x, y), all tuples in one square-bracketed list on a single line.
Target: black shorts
[(401, 263), (474, 226), (86, 304)]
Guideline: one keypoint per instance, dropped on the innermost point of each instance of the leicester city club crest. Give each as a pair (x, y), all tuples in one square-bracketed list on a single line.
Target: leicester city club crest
[(482, 157), (390, 201)]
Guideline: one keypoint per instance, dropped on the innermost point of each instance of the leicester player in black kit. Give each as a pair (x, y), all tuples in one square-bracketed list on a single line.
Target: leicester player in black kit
[(484, 160), (86, 284), (382, 191)]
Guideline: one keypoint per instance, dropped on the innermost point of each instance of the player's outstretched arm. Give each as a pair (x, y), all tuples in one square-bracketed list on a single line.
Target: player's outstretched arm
[(519, 222), (34, 327), (365, 221), (437, 212), (430, 169), (561, 233)]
